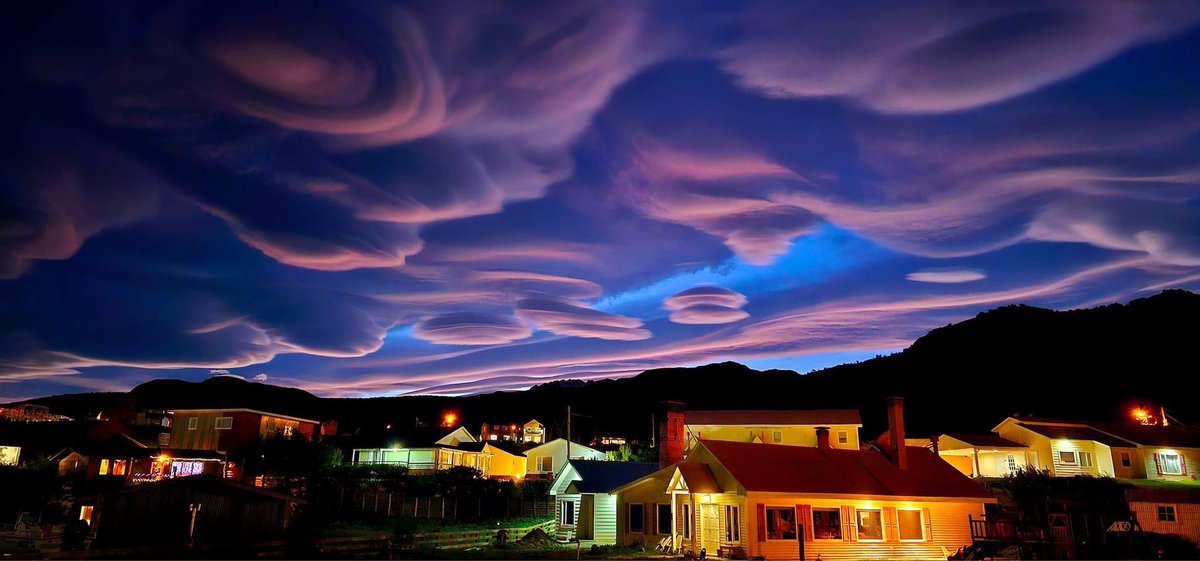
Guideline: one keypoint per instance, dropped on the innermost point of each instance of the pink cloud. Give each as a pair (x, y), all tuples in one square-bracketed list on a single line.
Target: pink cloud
[(564, 317), (471, 328), (947, 275)]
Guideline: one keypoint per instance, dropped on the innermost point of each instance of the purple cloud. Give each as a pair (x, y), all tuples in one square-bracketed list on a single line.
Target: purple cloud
[(706, 305), (946, 275), (471, 328), (563, 317)]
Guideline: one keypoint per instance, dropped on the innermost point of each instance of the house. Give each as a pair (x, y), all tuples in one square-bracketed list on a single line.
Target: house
[(165, 513), (1067, 448), (548, 459), (504, 464), (531, 432), (984, 455), (226, 430), (458, 448), (746, 499), (584, 508), (1173, 510), (788, 427)]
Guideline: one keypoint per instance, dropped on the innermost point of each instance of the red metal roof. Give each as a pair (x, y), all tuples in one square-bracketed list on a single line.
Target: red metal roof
[(699, 478), (774, 418), (803, 470)]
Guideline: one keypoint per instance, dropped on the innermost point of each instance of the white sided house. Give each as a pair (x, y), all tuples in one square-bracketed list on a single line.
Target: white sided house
[(798, 427), (547, 460), (585, 511)]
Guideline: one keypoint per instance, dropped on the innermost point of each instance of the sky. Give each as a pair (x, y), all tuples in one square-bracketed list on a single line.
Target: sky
[(370, 198)]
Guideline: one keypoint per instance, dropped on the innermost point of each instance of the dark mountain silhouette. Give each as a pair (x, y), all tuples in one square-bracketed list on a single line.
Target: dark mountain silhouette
[(1092, 364)]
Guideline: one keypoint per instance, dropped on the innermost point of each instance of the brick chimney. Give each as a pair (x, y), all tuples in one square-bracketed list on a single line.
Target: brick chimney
[(895, 414), (672, 435), (823, 438)]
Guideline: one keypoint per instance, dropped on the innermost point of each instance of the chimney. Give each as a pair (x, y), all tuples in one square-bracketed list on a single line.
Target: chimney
[(823, 438), (672, 435), (895, 413), (933, 443)]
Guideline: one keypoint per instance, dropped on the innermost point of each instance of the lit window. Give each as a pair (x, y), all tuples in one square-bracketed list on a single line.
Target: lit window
[(193, 422), (118, 467), (1170, 464), (568, 513), (1011, 461), (781, 523), (224, 423), (911, 526), (547, 463), (843, 437), (1126, 460), (85, 513), (777, 436), (1085, 459), (733, 525), (664, 520), (870, 525), (288, 430), (827, 523), (1065, 457), (104, 467), (686, 513), (1166, 513), (636, 521)]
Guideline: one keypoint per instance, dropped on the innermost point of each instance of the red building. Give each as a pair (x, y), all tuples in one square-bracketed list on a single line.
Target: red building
[(225, 430)]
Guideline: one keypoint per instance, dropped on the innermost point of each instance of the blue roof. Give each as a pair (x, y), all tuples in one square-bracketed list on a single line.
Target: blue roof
[(598, 476)]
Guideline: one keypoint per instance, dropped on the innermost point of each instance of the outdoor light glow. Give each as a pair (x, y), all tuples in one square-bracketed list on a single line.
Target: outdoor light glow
[(449, 419), (1140, 414)]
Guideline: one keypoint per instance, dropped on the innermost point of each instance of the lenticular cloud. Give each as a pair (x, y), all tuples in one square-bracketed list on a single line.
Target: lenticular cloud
[(706, 305)]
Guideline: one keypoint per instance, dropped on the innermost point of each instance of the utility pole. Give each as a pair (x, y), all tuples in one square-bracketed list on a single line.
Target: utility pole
[(568, 433), (195, 509)]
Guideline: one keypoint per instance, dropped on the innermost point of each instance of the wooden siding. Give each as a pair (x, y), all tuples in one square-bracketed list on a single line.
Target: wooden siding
[(157, 514), (565, 532), (606, 519), (650, 492), (948, 529), (1186, 524), (1190, 457)]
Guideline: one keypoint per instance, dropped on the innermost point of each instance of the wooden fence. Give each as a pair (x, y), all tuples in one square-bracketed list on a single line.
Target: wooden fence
[(369, 545), (449, 508)]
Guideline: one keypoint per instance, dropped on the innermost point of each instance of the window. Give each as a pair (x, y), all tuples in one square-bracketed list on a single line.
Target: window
[(193, 422), (1065, 457), (733, 527), (870, 525), (1126, 460), (288, 431), (1011, 463), (781, 523), (636, 519), (224, 423), (1085, 459), (843, 437), (104, 467), (1166, 513), (686, 513), (568, 513), (912, 528), (1170, 464), (166, 422), (119, 467), (777, 436), (85, 513), (547, 463), (664, 520), (827, 524)]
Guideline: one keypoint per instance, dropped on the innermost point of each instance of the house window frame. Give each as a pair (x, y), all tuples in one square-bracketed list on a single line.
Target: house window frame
[(1162, 463), (226, 421), (658, 519), (1126, 459), (1168, 510), (542, 464), (686, 520), (921, 525), (858, 525), (795, 526), (777, 437), (641, 518), (1086, 459), (843, 437), (193, 423), (567, 508), (1010, 462), (1074, 457), (85, 513), (838, 526), (733, 524), (104, 466)]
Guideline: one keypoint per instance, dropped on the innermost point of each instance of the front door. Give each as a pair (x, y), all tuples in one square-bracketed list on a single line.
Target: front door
[(585, 527), (710, 528)]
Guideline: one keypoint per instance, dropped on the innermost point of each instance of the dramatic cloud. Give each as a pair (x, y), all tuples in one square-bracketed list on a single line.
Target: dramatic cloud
[(563, 317), (471, 328), (706, 305), (322, 190), (947, 275)]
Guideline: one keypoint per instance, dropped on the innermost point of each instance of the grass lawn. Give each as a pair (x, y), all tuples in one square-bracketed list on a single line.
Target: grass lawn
[(426, 525), (533, 552), (1160, 484)]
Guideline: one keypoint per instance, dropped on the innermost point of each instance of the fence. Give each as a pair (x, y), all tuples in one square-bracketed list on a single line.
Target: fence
[(366, 545), (391, 504)]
